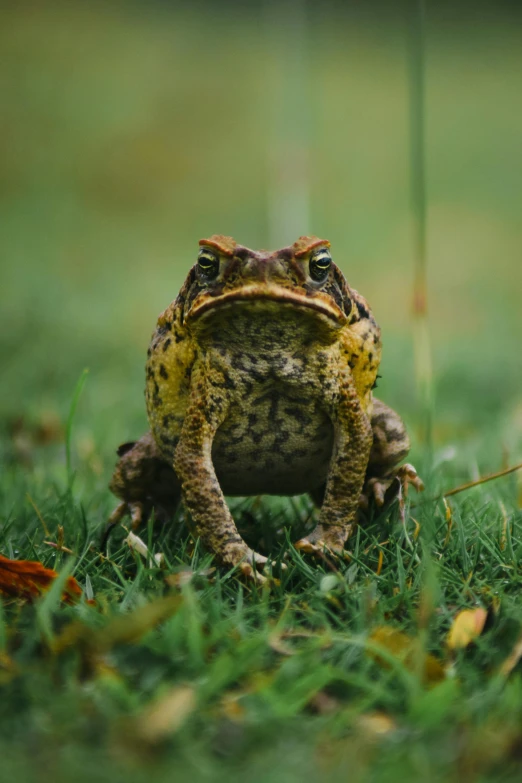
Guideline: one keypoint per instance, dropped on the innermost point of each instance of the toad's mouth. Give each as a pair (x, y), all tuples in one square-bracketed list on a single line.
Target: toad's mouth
[(263, 298)]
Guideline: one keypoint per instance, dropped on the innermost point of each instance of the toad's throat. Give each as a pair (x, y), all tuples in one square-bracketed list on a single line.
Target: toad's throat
[(264, 297)]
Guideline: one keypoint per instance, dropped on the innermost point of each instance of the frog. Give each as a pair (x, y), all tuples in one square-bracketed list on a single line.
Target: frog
[(260, 380)]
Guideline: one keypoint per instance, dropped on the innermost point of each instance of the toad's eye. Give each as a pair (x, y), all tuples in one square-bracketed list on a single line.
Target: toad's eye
[(208, 263), (320, 263)]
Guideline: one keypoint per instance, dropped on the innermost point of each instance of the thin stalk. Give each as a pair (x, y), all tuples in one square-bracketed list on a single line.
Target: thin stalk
[(422, 342), (482, 480), (70, 418), (288, 127)]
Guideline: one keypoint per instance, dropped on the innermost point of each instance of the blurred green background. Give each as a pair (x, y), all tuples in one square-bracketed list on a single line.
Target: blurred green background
[(130, 130)]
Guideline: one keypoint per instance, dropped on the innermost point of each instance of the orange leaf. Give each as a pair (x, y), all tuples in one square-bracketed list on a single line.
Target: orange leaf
[(28, 579), (466, 627)]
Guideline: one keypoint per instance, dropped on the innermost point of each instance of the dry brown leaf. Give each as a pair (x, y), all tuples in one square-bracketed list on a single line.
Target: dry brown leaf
[(466, 627), (28, 579), (405, 648), (322, 703), (165, 716), (184, 576), (139, 546)]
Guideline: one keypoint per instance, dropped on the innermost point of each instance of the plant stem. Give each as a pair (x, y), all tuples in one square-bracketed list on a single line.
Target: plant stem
[(482, 480), (422, 342), (70, 418)]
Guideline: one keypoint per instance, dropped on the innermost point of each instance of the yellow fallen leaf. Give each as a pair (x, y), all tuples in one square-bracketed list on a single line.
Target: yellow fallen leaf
[(232, 708), (376, 724), (512, 659), (466, 627), (129, 628), (8, 668), (406, 649), (165, 716), (121, 629), (391, 639)]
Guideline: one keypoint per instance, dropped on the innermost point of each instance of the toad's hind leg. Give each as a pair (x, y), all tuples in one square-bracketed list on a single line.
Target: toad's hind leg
[(390, 446), (144, 482)]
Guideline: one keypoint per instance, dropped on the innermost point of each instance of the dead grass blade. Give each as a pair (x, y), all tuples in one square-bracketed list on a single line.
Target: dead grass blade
[(483, 480)]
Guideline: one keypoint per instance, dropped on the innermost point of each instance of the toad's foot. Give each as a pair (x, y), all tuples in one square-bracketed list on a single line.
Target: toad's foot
[(253, 563), (137, 512), (321, 549), (385, 489)]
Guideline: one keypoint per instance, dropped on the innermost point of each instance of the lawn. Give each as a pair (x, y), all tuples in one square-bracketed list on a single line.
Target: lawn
[(126, 135)]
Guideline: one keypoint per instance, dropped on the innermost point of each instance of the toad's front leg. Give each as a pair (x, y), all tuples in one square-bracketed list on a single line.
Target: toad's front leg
[(352, 444), (202, 494)]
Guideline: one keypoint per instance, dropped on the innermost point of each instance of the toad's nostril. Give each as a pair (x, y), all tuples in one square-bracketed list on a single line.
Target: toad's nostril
[(254, 269)]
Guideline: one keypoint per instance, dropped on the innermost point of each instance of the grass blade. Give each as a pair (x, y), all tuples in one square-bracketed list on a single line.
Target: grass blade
[(70, 418)]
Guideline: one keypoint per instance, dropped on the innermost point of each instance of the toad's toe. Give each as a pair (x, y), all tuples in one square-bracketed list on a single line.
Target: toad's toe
[(320, 549), (386, 489), (408, 475), (263, 563), (251, 575)]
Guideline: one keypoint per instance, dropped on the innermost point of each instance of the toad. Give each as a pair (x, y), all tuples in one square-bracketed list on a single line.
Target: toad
[(259, 380)]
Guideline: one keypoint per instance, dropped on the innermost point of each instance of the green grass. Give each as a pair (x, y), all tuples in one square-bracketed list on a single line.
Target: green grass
[(261, 664), (119, 149)]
